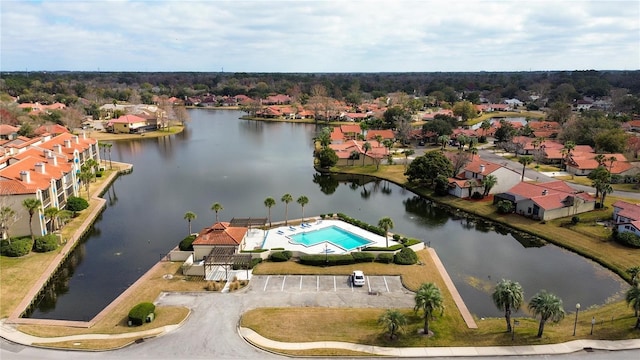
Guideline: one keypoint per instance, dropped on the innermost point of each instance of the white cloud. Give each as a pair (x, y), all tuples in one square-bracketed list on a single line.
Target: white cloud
[(320, 36)]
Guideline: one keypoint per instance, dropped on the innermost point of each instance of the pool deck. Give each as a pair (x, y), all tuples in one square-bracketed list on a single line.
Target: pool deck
[(280, 237)]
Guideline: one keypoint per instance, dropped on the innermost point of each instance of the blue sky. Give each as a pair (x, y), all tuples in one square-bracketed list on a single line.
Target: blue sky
[(319, 36)]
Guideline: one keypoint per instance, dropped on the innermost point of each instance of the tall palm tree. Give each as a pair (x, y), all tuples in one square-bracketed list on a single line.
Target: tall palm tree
[(474, 152), (635, 274), (286, 199), (302, 200), (508, 296), (489, 182), (486, 125), (109, 145), (85, 177), (443, 140), (393, 321), (566, 151), (407, 153), (600, 159), (604, 190), (548, 306), (379, 139), (428, 300), (217, 207), (7, 217), (471, 183), (51, 213), (269, 202), (365, 148), (32, 205), (525, 160), (189, 216), (386, 223), (103, 147)]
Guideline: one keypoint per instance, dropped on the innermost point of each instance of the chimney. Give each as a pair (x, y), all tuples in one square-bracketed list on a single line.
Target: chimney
[(24, 176), (67, 143), (545, 192), (76, 139), (39, 168), (481, 169), (52, 159), (57, 148)]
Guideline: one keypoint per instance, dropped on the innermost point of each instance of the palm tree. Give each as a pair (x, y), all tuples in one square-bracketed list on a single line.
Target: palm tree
[(379, 139), (443, 140), (633, 298), (428, 299), (286, 199), (103, 146), (190, 215), (393, 321), (486, 125), (634, 272), (32, 205), (217, 208), (489, 182), (85, 177), (407, 153), (269, 202), (548, 306), (365, 148), (108, 146), (471, 183), (600, 159), (386, 223), (604, 190), (302, 200), (51, 213), (474, 152), (566, 150), (508, 296), (525, 160), (7, 217)]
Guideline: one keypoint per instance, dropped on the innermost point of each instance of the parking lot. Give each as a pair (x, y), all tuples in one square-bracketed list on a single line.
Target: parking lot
[(331, 283)]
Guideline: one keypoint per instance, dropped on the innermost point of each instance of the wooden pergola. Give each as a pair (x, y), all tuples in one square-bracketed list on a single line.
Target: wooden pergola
[(226, 257), (247, 222)]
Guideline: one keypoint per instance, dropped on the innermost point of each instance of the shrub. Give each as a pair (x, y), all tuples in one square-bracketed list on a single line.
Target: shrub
[(406, 256), (75, 204), (627, 239), (379, 248), (482, 139), (15, 248), (281, 256), (360, 257), (46, 243), (327, 260), (476, 195), (396, 237), (140, 313), (254, 262), (575, 220), (505, 207), (98, 174), (386, 258), (410, 242), (187, 243)]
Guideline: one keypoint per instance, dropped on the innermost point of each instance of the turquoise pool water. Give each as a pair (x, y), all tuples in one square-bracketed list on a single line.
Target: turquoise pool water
[(332, 234)]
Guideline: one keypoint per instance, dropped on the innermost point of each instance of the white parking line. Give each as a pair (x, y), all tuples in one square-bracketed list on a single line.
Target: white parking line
[(283, 281), (266, 283), (317, 283), (301, 282), (334, 284), (385, 283), (368, 284)]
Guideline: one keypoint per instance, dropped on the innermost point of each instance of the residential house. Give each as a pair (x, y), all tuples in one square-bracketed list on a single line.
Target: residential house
[(583, 164), (129, 124), (469, 180), (514, 103), (280, 99), (626, 217), (52, 129), (386, 134), (547, 201), (8, 132), (351, 153)]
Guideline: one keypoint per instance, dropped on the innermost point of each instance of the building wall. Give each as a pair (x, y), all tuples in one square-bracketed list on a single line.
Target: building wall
[(506, 180)]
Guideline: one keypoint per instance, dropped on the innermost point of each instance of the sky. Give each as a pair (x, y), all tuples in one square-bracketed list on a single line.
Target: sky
[(319, 36)]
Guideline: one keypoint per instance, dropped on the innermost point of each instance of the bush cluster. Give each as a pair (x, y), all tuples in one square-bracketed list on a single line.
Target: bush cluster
[(410, 242), (138, 315), (254, 262), (327, 260), (187, 243), (360, 257), (75, 204), (46, 243), (379, 248), (281, 256), (15, 248), (385, 258), (361, 224), (406, 256), (627, 239)]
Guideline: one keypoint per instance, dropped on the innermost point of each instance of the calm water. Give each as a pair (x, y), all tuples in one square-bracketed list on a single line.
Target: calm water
[(239, 163)]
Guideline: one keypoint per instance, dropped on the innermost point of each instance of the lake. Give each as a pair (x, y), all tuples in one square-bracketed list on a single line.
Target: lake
[(238, 163)]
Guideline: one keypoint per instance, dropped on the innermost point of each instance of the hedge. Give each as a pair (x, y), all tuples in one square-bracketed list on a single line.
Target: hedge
[(187, 243), (411, 242), (405, 256), (327, 260), (380, 248), (15, 248), (254, 251), (627, 239), (254, 262), (46, 243), (281, 256), (385, 258), (138, 315), (360, 257), (361, 224)]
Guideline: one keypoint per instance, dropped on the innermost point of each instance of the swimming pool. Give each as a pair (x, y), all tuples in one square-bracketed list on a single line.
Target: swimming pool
[(333, 234)]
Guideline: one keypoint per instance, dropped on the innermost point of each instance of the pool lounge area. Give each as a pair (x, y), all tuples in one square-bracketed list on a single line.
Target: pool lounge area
[(321, 236)]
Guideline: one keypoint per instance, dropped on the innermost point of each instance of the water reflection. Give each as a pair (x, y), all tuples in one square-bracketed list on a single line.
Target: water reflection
[(427, 212)]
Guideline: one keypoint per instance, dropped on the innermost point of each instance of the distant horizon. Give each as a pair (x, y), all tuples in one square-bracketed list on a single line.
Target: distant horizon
[(319, 37), (303, 73)]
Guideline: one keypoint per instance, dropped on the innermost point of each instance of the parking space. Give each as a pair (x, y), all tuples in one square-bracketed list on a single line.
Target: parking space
[(325, 283)]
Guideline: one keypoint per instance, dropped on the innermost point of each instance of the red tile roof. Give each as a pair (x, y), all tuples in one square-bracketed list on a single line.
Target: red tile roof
[(549, 195), (386, 134), (221, 233), (628, 210)]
